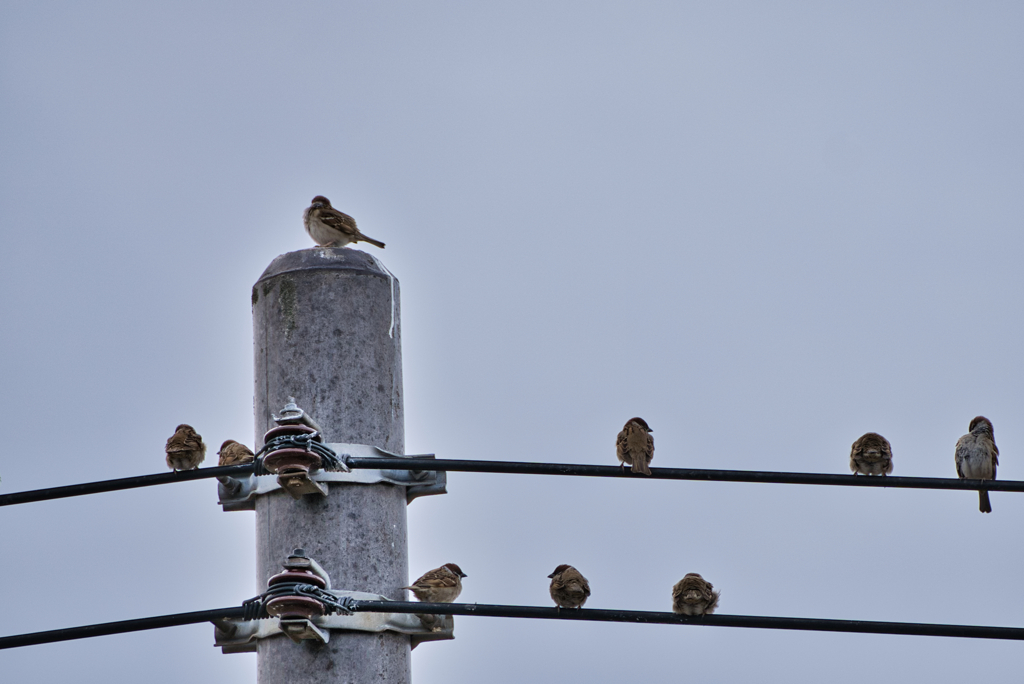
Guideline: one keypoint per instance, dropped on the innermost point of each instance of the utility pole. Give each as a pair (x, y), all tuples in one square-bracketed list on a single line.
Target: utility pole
[(326, 332)]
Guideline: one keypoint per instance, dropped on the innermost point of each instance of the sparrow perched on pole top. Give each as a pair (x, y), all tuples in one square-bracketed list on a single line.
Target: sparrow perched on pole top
[(441, 585), (185, 449), (693, 595), (331, 228), (871, 455), (635, 446), (233, 453), (977, 457), (569, 589)]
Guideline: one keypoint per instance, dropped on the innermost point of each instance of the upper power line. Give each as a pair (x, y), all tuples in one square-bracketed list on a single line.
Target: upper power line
[(530, 468)]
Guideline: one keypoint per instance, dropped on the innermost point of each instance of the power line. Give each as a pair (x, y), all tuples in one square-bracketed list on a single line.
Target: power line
[(584, 614), (122, 483), (121, 627), (646, 617), (586, 470), (529, 468)]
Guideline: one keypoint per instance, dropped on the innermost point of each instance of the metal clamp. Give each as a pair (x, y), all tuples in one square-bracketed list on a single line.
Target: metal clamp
[(300, 604), (240, 636), (241, 493)]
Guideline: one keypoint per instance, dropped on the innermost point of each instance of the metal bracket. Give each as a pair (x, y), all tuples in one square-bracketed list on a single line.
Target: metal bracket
[(298, 484), (291, 414), (239, 493), (240, 636)]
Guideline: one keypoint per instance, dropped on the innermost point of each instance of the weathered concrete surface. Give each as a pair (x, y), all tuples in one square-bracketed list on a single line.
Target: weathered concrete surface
[(327, 332)]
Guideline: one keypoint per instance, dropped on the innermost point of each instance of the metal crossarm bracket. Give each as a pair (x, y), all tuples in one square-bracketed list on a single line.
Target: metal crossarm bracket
[(240, 636), (239, 493)]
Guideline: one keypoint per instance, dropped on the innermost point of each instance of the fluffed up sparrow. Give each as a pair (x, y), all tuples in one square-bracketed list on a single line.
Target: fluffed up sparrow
[(331, 228), (635, 446), (185, 449), (871, 455), (569, 589), (977, 457), (693, 595), (233, 453), (441, 585)]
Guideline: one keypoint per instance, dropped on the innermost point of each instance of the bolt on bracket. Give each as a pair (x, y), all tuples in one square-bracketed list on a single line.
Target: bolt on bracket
[(234, 635), (291, 414), (239, 493)]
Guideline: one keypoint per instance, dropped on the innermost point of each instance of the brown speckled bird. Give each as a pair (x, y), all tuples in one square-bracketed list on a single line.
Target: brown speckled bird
[(871, 455), (977, 457), (635, 446), (441, 585), (233, 453), (331, 228), (185, 449), (693, 595), (569, 589)]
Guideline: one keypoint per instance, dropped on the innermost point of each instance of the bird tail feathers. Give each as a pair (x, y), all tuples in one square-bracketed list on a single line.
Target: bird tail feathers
[(640, 466)]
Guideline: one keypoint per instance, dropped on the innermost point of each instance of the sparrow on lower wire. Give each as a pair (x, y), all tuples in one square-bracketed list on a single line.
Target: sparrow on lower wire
[(441, 585), (331, 228)]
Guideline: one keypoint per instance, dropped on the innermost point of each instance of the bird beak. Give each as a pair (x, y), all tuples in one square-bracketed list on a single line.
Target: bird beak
[(551, 576)]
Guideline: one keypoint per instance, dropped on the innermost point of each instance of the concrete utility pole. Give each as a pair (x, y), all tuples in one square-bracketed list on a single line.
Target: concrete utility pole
[(326, 324)]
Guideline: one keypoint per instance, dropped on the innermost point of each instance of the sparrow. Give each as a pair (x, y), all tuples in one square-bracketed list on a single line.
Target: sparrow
[(693, 595), (330, 228), (634, 446), (871, 455), (185, 449), (977, 457), (569, 589), (441, 585), (233, 453)]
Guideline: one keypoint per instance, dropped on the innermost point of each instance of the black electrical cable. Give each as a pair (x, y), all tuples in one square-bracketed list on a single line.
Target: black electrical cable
[(584, 614), (528, 468), (122, 483), (645, 617), (120, 627), (586, 470)]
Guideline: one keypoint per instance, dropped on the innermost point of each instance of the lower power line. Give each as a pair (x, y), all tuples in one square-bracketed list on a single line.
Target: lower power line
[(584, 614)]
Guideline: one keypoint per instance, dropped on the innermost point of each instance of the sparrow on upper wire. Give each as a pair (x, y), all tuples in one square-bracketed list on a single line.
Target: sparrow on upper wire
[(185, 449), (977, 457), (871, 455), (693, 595), (331, 228), (441, 585), (635, 446), (233, 453), (569, 589)]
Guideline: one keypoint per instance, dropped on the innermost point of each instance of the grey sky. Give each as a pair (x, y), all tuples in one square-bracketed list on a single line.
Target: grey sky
[(767, 228)]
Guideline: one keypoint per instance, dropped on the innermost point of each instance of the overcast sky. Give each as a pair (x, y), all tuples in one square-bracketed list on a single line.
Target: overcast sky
[(767, 228)]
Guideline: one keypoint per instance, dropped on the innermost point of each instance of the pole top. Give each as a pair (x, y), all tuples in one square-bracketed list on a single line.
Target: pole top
[(324, 259)]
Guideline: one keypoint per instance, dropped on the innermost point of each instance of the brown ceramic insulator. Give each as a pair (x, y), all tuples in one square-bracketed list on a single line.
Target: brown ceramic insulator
[(294, 607), (297, 576), (291, 461), (289, 431)]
